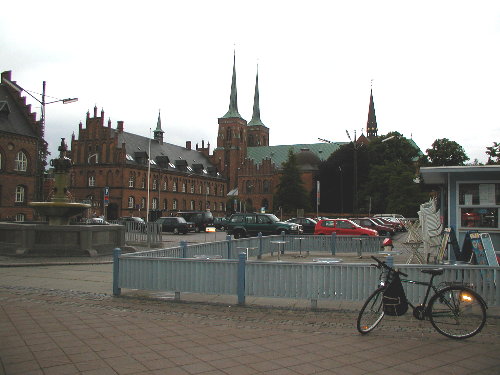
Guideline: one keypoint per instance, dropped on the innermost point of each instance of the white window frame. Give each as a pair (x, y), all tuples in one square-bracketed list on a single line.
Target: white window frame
[(174, 204), (154, 204), (459, 206), (131, 181), (91, 181), (21, 162), (131, 202), (20, 194)]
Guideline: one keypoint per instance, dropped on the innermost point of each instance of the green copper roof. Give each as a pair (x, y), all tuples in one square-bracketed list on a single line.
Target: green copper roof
[(279, 154), (256, 107), (233, 99), (158, 124)]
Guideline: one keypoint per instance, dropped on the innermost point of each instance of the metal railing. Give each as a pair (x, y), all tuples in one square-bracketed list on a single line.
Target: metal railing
[(221, 268), (139, 232)]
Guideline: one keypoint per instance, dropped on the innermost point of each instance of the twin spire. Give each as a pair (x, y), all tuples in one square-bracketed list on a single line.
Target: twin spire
[(233, 100)]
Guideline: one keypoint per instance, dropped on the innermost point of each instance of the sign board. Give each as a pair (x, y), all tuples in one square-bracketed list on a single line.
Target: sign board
[(106, 196), (489, 250), (478, 249), (210, 229)]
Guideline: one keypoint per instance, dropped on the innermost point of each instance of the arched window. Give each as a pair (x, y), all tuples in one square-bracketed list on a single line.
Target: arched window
[(91, 181), (174, 186), (174, 204), (165, 204), (266, 186), (20, 194), (131, 181), (143, 183), (165, 186), (131, 202), (183, 187), (249, 187), (21, 162), (154, 204), (143, 202), (155, 184), (20, 217), (192, 206)]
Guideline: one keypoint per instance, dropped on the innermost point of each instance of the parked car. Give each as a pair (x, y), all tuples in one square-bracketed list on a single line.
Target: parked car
[(395, 224), (342, 227), (382, 230), (136, 223), (308, 224), (175, 225), (250, 224), (95, 221), (220, 222), (201, 219)]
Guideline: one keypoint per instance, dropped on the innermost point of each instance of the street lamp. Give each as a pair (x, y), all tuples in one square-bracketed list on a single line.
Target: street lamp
[(43, 102), (355, 172)]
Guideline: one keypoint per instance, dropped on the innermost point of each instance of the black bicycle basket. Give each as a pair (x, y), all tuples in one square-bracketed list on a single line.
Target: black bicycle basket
[(394, 298)]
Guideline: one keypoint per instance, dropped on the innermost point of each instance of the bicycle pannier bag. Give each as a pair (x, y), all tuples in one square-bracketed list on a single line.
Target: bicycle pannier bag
[(394, 298)]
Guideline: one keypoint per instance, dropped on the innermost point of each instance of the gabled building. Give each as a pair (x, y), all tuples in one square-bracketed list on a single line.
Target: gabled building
[(180, 178), (21, 147)]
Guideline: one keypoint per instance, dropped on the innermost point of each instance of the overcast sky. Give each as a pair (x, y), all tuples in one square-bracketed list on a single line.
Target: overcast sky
[(435, 66)]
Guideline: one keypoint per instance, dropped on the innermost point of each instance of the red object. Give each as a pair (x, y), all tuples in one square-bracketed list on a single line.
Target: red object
[(387, 242)]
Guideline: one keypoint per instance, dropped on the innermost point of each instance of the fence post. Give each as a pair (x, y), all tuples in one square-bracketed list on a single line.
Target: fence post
[(259, 256), (333, 243), (183, 245), (241, 278), (116, 271), (282, 239), (229, 240)]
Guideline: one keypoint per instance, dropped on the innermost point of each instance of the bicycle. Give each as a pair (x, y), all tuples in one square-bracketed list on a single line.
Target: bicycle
[(455, 310)]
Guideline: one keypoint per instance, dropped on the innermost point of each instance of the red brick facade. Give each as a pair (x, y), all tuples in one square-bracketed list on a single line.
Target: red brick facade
[(20, 142)]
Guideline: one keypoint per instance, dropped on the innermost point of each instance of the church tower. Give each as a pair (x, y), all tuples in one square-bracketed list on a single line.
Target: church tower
[(258, 133), (158, 132), (232, 138), (371, 124)]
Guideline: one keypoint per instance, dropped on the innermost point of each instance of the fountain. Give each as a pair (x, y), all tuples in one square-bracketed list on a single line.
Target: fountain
[(59, 238), (59, 210)]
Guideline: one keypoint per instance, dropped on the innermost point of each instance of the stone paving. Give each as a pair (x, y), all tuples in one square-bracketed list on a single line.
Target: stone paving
[(62, 319)]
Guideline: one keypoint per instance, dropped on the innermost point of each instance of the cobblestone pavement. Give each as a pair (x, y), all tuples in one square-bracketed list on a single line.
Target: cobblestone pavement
[(57, 317), (65, 332)]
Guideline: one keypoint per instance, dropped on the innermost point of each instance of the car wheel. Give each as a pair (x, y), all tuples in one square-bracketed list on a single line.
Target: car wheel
[(176, 231), (238, 234)]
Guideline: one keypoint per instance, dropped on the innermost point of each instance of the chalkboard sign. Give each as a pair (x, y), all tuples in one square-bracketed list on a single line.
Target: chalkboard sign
[(489, 250)]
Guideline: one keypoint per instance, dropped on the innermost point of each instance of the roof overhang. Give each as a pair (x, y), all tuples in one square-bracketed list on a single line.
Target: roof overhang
[(439, 175)]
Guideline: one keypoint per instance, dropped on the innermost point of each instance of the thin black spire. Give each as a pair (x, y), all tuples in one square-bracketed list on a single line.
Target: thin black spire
[(371, 124)]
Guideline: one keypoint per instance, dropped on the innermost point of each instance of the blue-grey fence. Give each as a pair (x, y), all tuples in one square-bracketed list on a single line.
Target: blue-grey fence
[(220, 268), (263, 245)]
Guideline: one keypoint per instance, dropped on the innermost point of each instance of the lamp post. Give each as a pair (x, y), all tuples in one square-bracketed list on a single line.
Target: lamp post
[(355, 172), (41, 152)]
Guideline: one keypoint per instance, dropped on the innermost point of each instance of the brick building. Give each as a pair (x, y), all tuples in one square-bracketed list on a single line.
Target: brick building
[(21, 142), (180, 178)]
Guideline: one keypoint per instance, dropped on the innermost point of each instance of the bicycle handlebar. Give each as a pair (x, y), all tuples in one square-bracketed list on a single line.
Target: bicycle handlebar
[(383, 264)]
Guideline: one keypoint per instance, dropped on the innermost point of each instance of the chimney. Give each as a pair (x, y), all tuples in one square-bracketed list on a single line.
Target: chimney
[(188, 145), (119, 127)]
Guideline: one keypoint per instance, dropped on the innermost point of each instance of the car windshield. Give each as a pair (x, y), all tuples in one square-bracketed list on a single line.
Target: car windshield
[(138, 219), (181, 220), (273, 218)]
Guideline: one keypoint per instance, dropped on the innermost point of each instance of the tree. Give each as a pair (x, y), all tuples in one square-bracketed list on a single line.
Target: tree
[(493, 153), (445, 152), (291, 194)]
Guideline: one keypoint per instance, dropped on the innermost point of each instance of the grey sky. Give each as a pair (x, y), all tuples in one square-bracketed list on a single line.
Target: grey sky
[(434, 66)]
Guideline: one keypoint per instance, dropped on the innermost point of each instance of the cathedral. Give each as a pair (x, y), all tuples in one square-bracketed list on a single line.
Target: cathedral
[(241, 174)]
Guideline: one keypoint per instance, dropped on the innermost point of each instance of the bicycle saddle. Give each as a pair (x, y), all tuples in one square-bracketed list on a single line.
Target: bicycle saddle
[(433, 271)]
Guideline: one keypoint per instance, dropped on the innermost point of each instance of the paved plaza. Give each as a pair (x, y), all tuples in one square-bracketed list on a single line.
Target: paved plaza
[(62, 319)]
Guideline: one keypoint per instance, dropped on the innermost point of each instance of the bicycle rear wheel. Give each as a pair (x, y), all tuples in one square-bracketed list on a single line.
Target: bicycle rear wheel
[(457, 312), (371, 313)]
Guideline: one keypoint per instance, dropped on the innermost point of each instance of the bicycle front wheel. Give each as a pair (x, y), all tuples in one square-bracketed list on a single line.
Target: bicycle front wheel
[(457, 312), (372, 312)]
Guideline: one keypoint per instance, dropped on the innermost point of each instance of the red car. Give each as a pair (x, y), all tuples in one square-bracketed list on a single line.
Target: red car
[(367, 222), (342, 227)]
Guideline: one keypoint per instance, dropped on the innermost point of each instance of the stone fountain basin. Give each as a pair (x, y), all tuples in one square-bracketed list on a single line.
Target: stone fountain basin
[(59, 213)]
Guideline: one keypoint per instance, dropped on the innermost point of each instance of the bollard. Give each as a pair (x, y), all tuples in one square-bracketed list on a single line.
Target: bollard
[(183, 245), (333, 243), (259, 256), (229, 240), (241, 278), (116, 271)]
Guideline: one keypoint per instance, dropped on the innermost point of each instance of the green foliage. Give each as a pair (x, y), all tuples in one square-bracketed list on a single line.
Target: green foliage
[(386, 171), (446, 153), (493, 153), (291, 194)]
